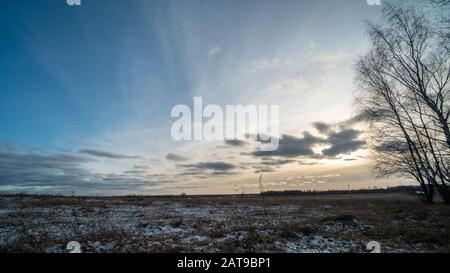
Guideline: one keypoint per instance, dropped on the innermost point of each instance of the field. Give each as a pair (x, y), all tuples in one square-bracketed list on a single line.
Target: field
[(336, 223)]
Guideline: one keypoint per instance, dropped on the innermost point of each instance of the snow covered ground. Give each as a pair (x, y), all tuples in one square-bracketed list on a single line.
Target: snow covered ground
[(222, 224)]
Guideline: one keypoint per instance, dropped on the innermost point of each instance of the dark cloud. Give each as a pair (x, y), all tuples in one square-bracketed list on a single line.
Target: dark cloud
[(362, 116), (215, 166), (265, 170), (343, 136), (344, 148), (235, 142), (343, 142), (291, 146), (141, 167), (208, 169), (223, 173), (322, 127), (106, 154), (175, 157), (327, 128), (340, 137), (276, 161), (263, 138)]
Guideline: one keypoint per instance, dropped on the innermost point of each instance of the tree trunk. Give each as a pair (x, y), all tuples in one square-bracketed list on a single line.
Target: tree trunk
[(429, 194), (444, 193)]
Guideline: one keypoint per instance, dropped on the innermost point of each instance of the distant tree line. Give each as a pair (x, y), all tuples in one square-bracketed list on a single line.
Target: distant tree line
[(397, 189)]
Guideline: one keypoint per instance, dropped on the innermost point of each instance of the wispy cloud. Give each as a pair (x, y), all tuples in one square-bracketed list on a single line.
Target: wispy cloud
[(9, 146), (330, 60), (66, 172), (263, 64), (213, 51), (100, 153), (175, 157), (291, 85)]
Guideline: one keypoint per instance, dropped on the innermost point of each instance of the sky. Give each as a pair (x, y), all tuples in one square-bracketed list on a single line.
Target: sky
[(86, 94)]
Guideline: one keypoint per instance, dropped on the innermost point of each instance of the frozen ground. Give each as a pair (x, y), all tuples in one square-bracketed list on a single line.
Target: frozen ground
[(328, 224)]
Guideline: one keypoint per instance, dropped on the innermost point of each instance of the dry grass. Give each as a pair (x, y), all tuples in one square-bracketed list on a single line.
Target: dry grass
[(338, 223)]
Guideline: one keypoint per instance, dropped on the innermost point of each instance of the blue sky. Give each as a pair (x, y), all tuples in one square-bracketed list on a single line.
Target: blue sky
[(94, 85)]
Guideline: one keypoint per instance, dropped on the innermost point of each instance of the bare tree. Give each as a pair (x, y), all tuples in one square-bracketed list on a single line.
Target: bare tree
[(404, 84)]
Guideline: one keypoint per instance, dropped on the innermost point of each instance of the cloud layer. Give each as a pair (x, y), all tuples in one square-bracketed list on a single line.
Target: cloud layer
[(70, 171)]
